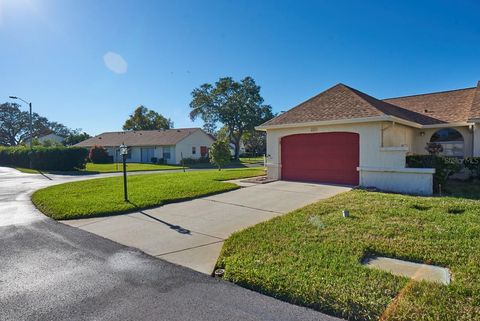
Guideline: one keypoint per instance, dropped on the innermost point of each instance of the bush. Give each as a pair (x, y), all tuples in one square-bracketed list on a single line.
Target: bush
[(473, 164), (154, 160), (219, 154), (444, 166), (99, 155), (193, 161), (44, 158)]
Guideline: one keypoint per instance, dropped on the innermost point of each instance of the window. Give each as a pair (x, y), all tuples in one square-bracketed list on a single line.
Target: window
[(166, 152), (203, 151), (451, 141), (194, 150)]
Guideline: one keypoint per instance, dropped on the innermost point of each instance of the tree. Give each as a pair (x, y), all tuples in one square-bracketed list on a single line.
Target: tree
[(145, 119), (13, 124), (255, 142), (237, 105), (219, 154), (75, 137)]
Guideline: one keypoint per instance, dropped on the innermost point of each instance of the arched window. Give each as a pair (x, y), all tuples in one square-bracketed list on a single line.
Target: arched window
[(451, 141)]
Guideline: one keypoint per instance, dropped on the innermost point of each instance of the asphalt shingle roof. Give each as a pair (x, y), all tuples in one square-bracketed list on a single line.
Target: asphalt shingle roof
[(139, 138), (341, 102)]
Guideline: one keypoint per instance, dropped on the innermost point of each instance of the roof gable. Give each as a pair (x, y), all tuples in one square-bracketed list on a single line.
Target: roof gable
[(337, 102), (341, 102)]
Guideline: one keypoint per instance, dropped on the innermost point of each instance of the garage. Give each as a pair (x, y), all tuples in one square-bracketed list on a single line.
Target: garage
[(331, 157)]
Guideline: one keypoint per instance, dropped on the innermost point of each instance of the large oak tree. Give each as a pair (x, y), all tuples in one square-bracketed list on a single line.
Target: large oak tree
[(237, 105), (15, 125)]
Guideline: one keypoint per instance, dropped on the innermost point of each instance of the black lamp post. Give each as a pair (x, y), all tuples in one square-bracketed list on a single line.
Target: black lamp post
[(124, 152), (31, 123)]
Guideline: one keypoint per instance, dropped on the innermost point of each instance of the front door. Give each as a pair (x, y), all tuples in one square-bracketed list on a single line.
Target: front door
[(147, 154)]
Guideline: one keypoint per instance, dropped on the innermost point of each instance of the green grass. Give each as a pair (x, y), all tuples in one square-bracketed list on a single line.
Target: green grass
[(131, 167), (105, 168), (312, 256), (251, 160), (104, 196)]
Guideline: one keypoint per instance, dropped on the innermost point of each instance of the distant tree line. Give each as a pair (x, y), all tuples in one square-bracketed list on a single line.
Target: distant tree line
[(15, 127)]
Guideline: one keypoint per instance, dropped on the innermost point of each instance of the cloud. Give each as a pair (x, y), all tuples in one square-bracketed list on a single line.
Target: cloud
[(115, 62)]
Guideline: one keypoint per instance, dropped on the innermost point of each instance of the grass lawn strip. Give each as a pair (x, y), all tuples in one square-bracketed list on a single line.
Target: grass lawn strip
[(106, 168), (312, 256), (104, 196)]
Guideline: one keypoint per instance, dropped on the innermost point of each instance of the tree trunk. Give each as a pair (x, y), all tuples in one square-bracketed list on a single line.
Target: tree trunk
[(237, 139)]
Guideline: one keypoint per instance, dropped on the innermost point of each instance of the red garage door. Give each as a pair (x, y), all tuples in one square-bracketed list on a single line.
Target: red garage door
[(323, 157)]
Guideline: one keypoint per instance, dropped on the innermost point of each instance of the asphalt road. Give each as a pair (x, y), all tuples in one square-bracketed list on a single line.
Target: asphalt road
[(50, 271)]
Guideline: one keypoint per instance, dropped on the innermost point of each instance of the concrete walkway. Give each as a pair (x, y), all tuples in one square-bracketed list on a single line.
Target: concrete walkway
[(192, 233)]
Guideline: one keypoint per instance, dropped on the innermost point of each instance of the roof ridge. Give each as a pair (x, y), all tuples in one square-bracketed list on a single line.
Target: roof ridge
[(359, 94), (432, 93), (303, 102), (148, 130)]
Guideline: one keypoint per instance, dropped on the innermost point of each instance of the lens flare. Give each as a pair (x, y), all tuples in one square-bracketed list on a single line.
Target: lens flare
[(115, 62)]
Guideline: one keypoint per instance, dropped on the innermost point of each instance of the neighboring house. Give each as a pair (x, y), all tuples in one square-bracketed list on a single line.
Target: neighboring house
[(344, 136), (52, 137), (232, 148), (167, 144)]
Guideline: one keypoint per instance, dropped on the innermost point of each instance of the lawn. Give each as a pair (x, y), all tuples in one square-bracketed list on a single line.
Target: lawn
[(312, 256), (104, 196), (251, 160), (106, 168)]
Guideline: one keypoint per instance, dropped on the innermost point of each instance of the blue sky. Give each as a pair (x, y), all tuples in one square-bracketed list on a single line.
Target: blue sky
[(52, 52)]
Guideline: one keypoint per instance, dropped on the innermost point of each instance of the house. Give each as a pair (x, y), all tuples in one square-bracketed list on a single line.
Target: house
[(51, 137), (241, 149), (345, 136), (167, 144)]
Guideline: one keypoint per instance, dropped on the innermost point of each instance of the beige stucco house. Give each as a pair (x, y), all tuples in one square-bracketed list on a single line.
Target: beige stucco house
[(167, 144), (345, 136)]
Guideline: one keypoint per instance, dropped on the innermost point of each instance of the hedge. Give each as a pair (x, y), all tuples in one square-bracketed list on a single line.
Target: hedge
[(473, 164), (44, 158), (444, 166)]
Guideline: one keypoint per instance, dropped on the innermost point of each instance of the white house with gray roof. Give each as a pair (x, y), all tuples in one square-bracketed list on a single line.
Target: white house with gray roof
[(167, 144)]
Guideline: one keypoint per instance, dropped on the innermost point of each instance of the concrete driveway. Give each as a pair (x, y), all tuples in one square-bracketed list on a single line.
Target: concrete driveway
[(192, 233)]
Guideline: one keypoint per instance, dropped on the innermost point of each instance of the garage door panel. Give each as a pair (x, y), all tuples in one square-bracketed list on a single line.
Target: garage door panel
[(321, 157)]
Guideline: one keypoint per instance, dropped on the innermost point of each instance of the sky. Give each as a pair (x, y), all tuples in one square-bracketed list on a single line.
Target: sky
[(89, 63)]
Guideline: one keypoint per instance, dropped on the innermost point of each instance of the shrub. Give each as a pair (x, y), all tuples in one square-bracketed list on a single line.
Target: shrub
[(99, 155), (444, 166), (193, 161), (219, 154), (154, 160), (44, 158), (473, 164)]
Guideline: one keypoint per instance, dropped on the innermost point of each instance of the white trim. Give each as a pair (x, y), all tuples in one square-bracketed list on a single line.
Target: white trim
[(364, 120), (397, 170), (394, 149), (446, 125), (327, 122)]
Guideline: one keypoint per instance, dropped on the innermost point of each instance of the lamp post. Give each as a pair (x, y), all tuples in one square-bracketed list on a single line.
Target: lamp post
[(124, 152), (31, 119), (31, 124)]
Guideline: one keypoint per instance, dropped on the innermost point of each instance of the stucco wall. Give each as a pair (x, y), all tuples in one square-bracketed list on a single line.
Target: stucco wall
[(476, 148), (371, 153), (409, 180), (420, 141), (196, 139)]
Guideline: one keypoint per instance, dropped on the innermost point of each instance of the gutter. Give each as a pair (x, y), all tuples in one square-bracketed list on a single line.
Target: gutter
[(365, 120)]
